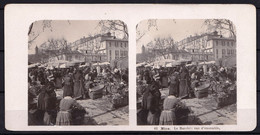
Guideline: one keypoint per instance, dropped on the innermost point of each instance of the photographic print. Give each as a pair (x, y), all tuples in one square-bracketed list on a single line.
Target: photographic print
[(186, 72), (77, 72), (130, 67)]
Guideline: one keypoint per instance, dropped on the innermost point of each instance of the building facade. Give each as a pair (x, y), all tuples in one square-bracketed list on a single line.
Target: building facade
[(150, 55), (101, 48), (208, 47), (98, 48), (114, 48)]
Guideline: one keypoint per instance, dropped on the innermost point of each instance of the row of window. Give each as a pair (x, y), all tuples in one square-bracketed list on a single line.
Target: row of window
[(223, 43), (117, 44), (118, 54), (226, 52)]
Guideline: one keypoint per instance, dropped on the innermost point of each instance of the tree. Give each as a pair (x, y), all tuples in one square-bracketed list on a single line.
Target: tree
[(145, 57), (55, 47), (151, 23), (162, 46), (222, 25), (114, 26), (143, 28), (34, 34)]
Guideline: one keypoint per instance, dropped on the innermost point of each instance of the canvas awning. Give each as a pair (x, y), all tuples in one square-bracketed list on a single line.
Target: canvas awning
[(140, 64)]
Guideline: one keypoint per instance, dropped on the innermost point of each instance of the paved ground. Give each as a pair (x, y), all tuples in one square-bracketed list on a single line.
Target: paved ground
[(206, 111), (101, 112)]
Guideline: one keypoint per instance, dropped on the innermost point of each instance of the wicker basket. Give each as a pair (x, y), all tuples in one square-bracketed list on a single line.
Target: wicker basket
[(202, 91), (96, 92)]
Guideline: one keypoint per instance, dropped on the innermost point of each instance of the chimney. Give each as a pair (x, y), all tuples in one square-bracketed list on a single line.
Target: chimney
[(114, 35), (215, 33)]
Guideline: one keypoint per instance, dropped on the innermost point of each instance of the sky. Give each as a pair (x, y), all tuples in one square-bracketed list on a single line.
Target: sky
[(70, 30), (74, 30), (178, 29)]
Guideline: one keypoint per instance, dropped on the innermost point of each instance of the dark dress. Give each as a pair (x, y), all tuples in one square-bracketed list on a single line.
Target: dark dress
[(68, 86), (184, 84), (150, 102), (164, 80), (58, 80), (143, 113), (154, 112), (47, 106), (147, 77), (174, 85), (50, 114), (78, 85)]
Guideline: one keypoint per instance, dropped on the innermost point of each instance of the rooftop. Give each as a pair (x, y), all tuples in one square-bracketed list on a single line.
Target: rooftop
[(114, 39)]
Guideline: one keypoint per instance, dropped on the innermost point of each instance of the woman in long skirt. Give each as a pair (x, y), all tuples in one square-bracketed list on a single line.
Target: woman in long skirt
[(78, 85), (174, 84), (64, 116), (168, 114), (184, 83), (58, 80), (47, 104), (68, 85), (153, 105)]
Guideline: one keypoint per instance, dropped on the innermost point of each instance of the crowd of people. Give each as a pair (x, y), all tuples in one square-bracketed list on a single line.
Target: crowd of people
[(181, 82), (44, 106)]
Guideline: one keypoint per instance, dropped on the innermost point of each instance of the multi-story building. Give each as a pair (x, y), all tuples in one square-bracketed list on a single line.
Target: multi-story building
[(114, 48), (99, 48), (208, 47), (102, 48), (171, 52), (90, 44)]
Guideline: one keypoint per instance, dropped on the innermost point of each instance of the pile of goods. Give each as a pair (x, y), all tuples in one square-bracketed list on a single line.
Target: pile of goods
[(227, 96), (77, 116), (120, 98), (181, 113), (223, 91), (96, 91), (202, 90)]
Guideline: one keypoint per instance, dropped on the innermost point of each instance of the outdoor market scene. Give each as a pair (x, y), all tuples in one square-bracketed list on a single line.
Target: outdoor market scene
[(191, 81), (82, 82)]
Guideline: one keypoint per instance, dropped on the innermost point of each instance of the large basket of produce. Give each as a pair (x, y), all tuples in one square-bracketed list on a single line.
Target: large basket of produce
[(96, 92), (202, 90), (119, 100), (225, 99)]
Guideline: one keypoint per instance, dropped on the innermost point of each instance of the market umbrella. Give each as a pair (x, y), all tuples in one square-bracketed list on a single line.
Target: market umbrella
[(104, 63), (140, 64), (169, 65), (63, 66)]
